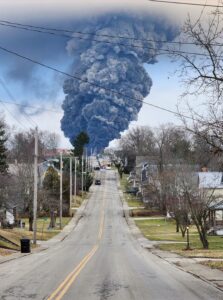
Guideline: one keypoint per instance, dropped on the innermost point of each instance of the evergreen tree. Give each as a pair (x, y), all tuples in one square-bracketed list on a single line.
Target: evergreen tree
[(3, 150), (51, 186), (80, 141)]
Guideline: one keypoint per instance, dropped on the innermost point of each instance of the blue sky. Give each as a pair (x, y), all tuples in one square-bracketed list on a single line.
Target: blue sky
[(27, 84)]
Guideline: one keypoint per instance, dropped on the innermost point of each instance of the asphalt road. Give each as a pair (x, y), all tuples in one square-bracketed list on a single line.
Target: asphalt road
[(100, 260)]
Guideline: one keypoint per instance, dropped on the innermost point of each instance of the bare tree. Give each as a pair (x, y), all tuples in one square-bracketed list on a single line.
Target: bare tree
[(176, 204), (25, 184), (138, 141), (198, 201), (22, 153), (202, 73)]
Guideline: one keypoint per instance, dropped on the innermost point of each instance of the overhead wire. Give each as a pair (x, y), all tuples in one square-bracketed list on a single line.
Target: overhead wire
[(12, 115), (177, 114), (48, 30), (160, 51), (52, 31), (186, 3), (27, 117), (89, 82), (31, 106), (83, 80)]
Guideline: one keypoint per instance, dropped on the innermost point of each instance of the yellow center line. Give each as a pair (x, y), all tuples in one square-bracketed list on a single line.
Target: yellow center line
[(65, 285), (72, 279), (66, 280)]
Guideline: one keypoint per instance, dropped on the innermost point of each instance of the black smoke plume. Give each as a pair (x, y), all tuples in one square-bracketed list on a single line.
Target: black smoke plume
[(100, 113)]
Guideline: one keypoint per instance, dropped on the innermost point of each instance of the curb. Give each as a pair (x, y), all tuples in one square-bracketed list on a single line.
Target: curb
[(144, 243), (75, 220), (149, 245), (189, 272)]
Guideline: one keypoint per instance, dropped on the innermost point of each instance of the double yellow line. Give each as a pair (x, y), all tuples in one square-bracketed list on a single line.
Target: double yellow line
[(65, 285)]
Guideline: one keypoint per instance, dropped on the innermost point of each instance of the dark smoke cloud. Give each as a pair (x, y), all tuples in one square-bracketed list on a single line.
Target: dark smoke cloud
[(100, 113)]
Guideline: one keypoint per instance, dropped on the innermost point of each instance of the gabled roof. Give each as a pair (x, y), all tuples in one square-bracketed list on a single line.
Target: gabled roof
[(217, 206), (210, 180)]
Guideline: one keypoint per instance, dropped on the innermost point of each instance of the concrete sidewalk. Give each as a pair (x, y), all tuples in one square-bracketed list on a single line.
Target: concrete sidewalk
[(192, 266), (44, 245), (189, 265)]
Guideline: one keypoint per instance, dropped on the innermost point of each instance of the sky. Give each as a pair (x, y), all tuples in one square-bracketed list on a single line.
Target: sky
[(24, 83)]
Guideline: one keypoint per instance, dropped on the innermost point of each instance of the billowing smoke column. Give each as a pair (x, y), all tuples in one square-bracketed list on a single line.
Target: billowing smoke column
[(101, 113)]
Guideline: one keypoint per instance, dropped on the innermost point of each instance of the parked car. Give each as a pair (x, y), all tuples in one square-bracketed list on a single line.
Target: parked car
[(97, 182)]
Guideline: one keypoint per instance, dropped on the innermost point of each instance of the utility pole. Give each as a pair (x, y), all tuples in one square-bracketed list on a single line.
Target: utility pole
[(85, 169), (70, 183), (75, 180), (82, 175), (35, 187), (61, 190)]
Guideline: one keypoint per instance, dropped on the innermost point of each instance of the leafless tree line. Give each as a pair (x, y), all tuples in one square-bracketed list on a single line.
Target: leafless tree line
[(16, 185)]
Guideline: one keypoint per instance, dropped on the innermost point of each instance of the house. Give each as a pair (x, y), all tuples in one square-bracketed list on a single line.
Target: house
[(7, 216), (51, 153), (14, 169), (144, 174), (213, 181)]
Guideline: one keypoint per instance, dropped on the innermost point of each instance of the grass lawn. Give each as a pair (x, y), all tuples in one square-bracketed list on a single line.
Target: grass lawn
[(165, 230), (133, 201), (43, 233), (129, 198), (78, 199), (5, 252), (213, 264)]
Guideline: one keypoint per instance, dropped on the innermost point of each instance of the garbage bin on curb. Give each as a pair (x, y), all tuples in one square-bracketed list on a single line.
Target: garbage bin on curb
[(25, 245)]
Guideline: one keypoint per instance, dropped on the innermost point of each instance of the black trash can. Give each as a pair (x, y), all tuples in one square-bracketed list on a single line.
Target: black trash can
[(25, 245)]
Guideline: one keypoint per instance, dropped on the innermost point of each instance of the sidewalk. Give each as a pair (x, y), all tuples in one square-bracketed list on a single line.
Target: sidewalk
[(192, 266), (189, 265), (44, 245)]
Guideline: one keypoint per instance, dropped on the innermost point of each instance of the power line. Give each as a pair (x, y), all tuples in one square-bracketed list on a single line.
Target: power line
[(186, 3), (50, 29), (91, 83), (12, 115), (31, 106), (28, 118), (119, 44), (130, 38)]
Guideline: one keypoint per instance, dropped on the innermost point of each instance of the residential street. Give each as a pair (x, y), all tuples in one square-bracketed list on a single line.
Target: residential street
[(100, 260)]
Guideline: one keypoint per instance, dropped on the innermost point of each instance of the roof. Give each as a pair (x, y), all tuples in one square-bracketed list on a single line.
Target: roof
[(217, 206), (210, 180)]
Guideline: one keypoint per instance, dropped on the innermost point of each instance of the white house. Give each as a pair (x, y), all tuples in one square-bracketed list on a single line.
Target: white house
[(213, 181)]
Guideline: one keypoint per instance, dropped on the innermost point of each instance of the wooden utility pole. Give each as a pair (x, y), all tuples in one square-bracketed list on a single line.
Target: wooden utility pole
[(82, 175), (75, 180), (61, 189), (70, 183), (35, 187)]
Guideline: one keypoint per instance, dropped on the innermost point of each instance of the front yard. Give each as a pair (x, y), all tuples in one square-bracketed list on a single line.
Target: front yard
[(163, 230), (10, 238)]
